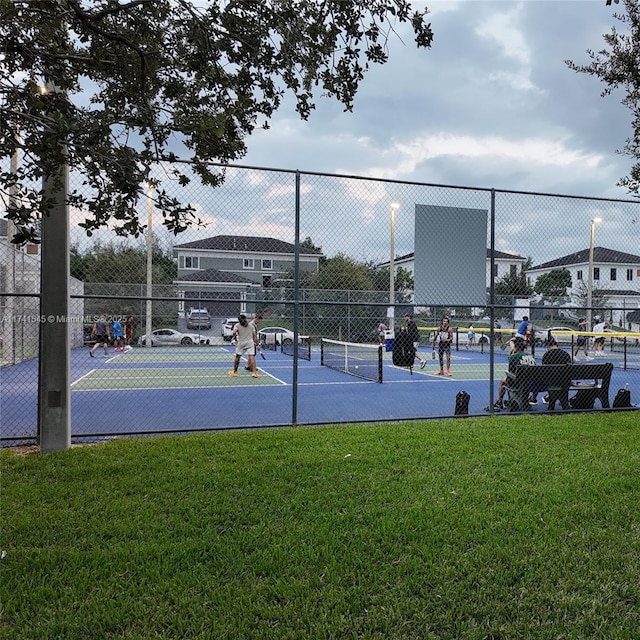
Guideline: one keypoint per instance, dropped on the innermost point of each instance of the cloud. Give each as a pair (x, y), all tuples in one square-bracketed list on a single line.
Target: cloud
[(503, 29), (407, 156)]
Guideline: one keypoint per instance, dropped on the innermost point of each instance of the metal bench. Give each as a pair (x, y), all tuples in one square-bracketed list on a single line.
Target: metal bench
[(558, 380)]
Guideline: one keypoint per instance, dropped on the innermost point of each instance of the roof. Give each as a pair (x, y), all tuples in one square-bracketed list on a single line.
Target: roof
[(214, 275), (600, 255), (245, 244), (618, 292), (501, 255), (505, 256)]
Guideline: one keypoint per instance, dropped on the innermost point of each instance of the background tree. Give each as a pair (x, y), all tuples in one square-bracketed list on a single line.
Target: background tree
[(599, 299), (618, 68), (403, 282), (308, 246), (137, 82), (118, 270), (515, 285), (122, 264), (554, 284), (358, 285), (342, 273)]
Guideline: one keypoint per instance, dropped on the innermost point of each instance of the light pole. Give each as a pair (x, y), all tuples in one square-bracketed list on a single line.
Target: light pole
[(392, 249), (592, 236)]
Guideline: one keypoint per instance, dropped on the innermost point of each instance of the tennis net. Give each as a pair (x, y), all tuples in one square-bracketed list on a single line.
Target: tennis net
[(362, 360), (304, 348)]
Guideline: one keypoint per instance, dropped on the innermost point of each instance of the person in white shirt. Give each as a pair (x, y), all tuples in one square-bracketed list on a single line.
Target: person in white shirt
[(598, 342), (246, 340)]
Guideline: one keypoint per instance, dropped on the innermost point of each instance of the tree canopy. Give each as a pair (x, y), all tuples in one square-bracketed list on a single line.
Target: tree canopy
[(515, 284), (617, 67), (119, 86), (555, 283), (122, 264)]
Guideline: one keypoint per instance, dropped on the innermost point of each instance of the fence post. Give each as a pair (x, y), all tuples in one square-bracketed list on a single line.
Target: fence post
[(296, 303)]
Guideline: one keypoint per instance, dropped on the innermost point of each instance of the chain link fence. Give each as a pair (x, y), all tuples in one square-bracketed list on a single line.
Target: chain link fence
[(312, 255)]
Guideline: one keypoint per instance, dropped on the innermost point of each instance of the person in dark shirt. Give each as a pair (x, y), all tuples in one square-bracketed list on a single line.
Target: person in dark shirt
[(582, 342), (414, 334), (102, 334), (553, 355), (444, 337), (516, 359)]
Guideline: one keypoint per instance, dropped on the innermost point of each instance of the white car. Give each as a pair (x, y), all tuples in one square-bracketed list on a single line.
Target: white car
[(618, 338), (542, 335), (161, 337), (275, 336), (227, 329)]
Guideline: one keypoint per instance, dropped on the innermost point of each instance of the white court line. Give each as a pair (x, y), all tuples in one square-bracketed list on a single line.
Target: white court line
[(83, 377)]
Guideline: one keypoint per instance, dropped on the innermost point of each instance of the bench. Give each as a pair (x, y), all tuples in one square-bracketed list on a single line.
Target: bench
[(558, 380)]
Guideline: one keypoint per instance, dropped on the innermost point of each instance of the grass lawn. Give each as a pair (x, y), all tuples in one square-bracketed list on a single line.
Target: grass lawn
[(481, 528)]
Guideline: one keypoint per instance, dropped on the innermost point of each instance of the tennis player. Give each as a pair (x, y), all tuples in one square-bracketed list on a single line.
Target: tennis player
[(246, 339), (255, 322)]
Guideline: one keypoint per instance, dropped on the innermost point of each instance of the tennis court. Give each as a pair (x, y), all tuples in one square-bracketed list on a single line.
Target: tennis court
[(178, 389), (171, 368)]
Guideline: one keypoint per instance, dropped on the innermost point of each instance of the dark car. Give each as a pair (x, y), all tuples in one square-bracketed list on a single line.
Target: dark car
[(364, 336)]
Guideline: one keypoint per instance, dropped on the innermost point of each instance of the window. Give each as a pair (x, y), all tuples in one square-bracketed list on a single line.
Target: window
[(189, 262), (267, 265), (266, 281), (629, 274), (513, 270), (596, 273), (248, 263), (614, 274), (579, 275)]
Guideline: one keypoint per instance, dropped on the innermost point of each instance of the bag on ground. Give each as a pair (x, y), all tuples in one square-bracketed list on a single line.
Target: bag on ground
[(462, 403), (622, 399), (584, 399)]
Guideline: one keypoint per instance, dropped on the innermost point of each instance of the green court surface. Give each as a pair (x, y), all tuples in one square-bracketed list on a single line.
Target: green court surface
[(172, 355), (167, 378), (464, 370)]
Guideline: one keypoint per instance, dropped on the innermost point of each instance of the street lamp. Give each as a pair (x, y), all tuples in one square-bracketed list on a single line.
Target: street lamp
[(590, 276), (391, 311)]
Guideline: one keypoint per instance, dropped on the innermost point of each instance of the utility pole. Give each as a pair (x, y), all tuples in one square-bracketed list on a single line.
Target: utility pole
[(54, 395)]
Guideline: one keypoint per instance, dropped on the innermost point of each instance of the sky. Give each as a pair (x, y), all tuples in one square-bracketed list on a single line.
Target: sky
[(492, 104)]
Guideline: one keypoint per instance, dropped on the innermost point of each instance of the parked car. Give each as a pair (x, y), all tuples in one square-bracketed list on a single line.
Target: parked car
[(364, 336), (569, 314), (161, 337), (227, 328), (542, 335), (276, 335), (198, 319), (616, 330)]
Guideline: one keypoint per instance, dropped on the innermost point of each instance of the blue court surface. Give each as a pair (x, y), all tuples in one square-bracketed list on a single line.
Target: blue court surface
[(178, 389)]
